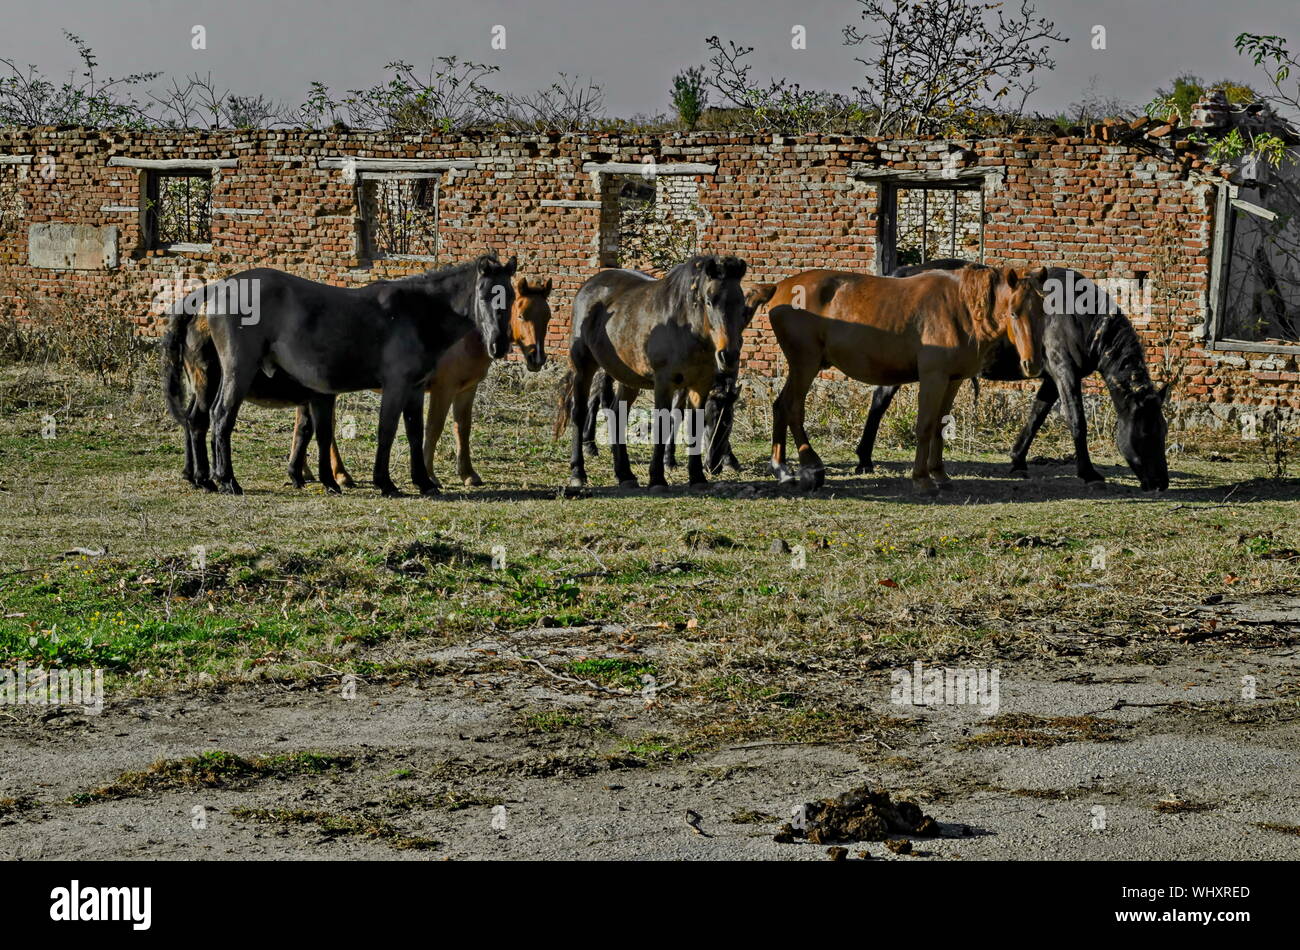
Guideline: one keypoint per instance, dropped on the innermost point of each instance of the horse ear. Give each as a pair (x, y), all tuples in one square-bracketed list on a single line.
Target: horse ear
[(547, 287), (1163, 392), (734, 267), (521, 285), (1037, 277), (1010, 276), (713, 268), (512, 265)]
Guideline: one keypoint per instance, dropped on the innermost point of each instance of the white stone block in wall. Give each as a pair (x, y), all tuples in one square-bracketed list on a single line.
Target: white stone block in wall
[(61, 246)]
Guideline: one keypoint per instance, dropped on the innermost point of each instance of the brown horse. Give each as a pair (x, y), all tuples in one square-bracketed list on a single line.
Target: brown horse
[(454, 385), (679, 333), (937, 328)]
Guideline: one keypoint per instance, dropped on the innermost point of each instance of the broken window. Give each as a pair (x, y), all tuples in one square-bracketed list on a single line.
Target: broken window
[(648, 222), (926, 221), (1257, 268), (178, 208), (400, 215), (12, 207)]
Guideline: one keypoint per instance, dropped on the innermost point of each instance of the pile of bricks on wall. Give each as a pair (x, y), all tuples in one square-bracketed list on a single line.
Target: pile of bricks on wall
[(1108, 208)]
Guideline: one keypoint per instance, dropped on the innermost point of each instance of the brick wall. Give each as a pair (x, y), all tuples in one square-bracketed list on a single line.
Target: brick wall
[(1108, 208)]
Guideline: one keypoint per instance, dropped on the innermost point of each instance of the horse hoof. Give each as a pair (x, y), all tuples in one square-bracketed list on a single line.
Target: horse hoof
[(577, 481), (670, 464), (347, 482), (945, 483), (730, 462), (430, 491), (811, 479), (629, 484), (659, 489), (473, 481), (229, 488), (390, 491), (332, 489), (925, 486), (206, 484), (864, 468), (1019, 473), (590, 450)]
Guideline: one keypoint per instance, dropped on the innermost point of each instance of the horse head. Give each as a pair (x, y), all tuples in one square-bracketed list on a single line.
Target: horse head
[(529, 319), (1014, 304), (718, 286), (493, 302), (1140, 432)]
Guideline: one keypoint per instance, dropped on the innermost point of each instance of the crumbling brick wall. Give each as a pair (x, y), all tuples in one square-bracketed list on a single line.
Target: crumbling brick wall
[(1109, 207)]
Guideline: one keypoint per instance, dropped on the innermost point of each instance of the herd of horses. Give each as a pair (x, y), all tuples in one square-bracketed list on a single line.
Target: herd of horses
[(936, 324)]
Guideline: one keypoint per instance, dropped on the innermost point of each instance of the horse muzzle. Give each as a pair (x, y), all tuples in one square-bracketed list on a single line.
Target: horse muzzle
[(534, 357), (727, 361), (1031, 368)]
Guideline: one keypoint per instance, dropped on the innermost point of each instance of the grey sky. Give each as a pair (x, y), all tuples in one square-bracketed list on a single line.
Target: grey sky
[(630, 47)]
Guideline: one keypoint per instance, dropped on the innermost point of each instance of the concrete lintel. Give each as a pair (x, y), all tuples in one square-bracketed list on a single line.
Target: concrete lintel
[(648, 169), (568, 203), (173, 164)]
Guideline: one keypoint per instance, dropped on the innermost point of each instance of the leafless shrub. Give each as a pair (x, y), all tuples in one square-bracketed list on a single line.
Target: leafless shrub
[(938, 66)]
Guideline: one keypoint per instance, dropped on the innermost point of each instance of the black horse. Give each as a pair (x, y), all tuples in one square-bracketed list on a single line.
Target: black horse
[(1092, 335), (301, 343)]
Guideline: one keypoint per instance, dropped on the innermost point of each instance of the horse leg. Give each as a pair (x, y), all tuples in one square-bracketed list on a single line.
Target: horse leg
[(584, 367), (321, 409), (225, 412), (391, 405), (1071, 389), (799, 378), (341, 474), (936, 445), (413, 416), (658, 440), (618, 440), (812, 473), (463, 420), (601, 398), (880, 400), (198, 424), (302, 432), (1043, 403), (440, 400), (693, 402), (670, 450), (929, 406)]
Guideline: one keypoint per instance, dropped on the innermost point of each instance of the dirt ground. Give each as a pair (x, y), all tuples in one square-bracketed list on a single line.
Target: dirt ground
[(1178, 771)]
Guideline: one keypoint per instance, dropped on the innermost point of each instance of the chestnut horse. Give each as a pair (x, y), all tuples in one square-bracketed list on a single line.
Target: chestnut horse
[(454, 385), (937, 329)]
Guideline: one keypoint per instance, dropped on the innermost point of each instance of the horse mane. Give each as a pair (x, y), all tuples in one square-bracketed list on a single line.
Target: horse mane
[(436, 279), (680, 286), (1121, 358)]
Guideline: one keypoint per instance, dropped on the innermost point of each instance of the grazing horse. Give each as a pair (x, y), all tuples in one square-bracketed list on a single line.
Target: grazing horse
[(937, 328), (455, 383), (678, 333), (717, 413), (324, 340), (1084, 333)]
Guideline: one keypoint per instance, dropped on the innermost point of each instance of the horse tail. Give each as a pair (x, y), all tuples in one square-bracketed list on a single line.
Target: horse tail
[(564, 406), (173, 342)]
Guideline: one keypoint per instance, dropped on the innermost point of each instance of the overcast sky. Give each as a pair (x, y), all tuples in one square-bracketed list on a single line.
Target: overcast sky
[(630, 47)]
